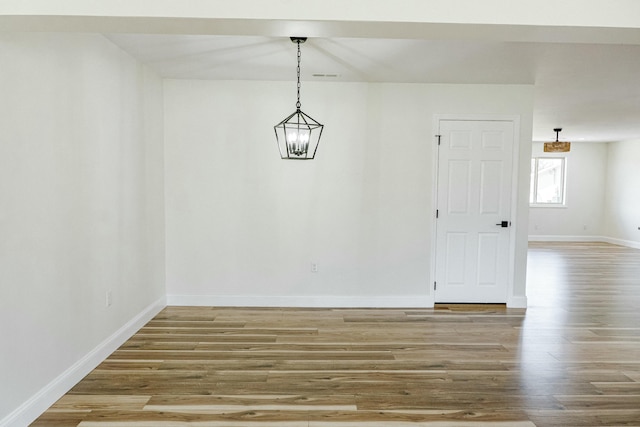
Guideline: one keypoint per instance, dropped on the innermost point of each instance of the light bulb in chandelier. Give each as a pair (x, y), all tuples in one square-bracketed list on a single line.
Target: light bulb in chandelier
[(298, 141)]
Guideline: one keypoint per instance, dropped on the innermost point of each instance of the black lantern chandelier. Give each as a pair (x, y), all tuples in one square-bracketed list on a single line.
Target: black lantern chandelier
[(298, 135)]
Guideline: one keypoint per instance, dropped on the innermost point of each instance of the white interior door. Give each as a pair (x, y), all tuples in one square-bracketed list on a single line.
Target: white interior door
[(475, 166)]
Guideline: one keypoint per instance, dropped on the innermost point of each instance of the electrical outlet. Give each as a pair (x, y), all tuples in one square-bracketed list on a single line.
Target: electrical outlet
[(109, 298), (314, 267)]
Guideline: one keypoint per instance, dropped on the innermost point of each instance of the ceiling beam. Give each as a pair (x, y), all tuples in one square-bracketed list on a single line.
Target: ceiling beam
[(569, 21)]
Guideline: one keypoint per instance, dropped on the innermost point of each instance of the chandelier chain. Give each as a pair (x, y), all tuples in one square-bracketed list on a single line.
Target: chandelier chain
[(298, 105)]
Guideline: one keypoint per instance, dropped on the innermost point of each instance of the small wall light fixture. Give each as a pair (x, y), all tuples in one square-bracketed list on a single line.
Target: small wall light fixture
[(298, 135)]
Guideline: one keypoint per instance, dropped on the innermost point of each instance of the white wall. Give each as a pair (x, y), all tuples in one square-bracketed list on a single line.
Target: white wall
[(622, 214), (82, 200), (583, 216), (244, 226), (81, 209)]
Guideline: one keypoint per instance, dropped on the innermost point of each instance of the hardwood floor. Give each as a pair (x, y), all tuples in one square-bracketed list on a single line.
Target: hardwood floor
[(572, 359)]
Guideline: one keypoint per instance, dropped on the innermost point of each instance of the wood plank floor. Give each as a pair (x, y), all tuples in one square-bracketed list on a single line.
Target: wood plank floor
[(572, 359)]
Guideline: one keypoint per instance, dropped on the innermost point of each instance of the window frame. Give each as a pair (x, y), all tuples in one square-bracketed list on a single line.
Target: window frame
[(534, 178)]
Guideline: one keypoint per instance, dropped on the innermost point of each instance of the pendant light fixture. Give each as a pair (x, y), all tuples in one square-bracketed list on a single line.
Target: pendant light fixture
[(298, 135), (557, 146)]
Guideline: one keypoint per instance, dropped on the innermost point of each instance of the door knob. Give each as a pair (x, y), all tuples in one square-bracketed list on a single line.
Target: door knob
[(504, 224)]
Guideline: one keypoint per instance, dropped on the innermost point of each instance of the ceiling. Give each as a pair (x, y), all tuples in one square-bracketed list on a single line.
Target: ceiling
[(583, 57), (591, 90)]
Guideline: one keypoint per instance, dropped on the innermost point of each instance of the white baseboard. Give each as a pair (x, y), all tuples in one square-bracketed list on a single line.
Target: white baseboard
[(517, 302), (390, 301), (620, 242), (557, 238), (42, 400), (417, 301)]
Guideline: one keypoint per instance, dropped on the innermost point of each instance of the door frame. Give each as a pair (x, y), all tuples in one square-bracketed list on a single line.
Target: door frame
[(515, 173)]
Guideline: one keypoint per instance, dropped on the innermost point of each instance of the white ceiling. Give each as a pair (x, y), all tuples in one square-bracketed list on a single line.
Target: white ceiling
[(582, 56), (590, 90)]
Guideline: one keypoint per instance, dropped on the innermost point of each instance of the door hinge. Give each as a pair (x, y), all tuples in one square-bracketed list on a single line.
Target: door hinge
[(435, 286), (438, 136), (437, 213)]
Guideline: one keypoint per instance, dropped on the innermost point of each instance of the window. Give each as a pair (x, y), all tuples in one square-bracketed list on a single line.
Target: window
[(547, 181)]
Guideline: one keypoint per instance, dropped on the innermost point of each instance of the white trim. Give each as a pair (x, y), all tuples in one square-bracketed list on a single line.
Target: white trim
[(559, 238), (317, 301), (603, 239), (47, 396), (513, 300), (517, 302), (435, 164), (620, 242)]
